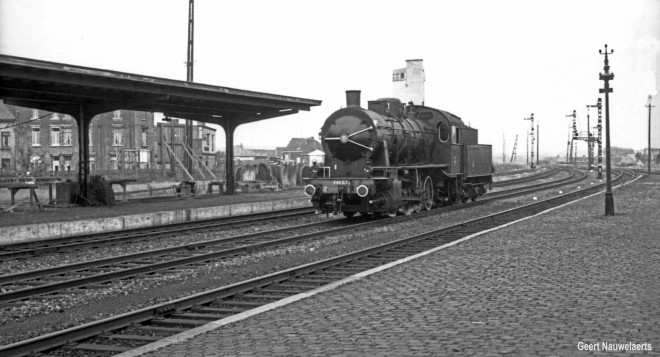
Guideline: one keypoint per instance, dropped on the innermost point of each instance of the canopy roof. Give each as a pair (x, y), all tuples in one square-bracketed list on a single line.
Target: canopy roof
[(63, 88)]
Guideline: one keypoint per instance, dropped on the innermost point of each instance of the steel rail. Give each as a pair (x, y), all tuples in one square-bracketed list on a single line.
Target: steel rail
[(519, 180)]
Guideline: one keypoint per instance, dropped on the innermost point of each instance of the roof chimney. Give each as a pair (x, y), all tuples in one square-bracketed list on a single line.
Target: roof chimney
[(352, 98)]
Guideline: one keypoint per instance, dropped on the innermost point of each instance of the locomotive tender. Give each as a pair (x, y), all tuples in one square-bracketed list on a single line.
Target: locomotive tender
[(394, 157)]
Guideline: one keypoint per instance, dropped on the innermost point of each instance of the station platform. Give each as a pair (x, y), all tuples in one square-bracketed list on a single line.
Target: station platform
[(56, 222), (567, 282)]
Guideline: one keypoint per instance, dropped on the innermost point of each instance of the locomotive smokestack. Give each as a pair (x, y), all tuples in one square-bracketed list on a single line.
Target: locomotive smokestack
[(352, 98)]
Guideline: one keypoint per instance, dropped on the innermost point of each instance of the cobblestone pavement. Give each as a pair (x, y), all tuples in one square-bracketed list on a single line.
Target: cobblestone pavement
[(542, 287)]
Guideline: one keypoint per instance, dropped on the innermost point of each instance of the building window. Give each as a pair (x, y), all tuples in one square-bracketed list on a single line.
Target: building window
[(117, 139), (56, 163), (66, 165), (90, 135), (67, 117), (92, 163), (178, 135), (55, 137), (144, 136), (206, 142), (55, 116), (36, 133), (5, 165), (66, 137), (35, 113), (4, 139), (116, 115)]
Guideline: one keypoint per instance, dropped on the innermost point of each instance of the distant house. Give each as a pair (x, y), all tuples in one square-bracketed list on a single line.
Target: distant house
[(316, 156), (298, 150), (244, 154)]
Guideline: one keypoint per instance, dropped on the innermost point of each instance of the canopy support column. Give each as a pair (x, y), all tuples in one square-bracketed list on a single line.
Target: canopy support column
[(84, 118), (230, 128)]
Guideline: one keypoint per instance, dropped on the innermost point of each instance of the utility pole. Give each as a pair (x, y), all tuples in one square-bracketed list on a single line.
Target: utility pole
[(189, 77), (513, 153), (531, 118), (568, 144), (503, 148), (607, 77), (527, 148), (538, 141), (571, 137), (648, 154)]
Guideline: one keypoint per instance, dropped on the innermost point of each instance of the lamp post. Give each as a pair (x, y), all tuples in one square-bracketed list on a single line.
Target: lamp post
[(607, 77), (648, 154)]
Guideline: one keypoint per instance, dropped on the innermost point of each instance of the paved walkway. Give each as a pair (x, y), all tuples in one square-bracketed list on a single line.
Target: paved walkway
[(554, 285)]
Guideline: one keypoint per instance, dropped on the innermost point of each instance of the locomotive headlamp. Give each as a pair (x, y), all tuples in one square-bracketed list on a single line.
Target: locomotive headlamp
[(362, 191), (343, 138), (367, 170), (310, 190)]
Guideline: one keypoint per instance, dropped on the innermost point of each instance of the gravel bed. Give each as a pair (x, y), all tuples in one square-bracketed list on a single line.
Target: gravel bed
[(14, 266), (23, 320)]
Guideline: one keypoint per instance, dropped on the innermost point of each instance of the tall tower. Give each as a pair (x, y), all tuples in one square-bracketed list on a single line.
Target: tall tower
[(408, 82)]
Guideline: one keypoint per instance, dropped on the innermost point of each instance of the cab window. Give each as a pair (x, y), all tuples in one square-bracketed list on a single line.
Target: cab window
[(455, 135), (443, 132)]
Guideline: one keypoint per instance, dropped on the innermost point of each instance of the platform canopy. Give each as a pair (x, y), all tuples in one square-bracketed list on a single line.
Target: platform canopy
[(57, 86), (83, 92)]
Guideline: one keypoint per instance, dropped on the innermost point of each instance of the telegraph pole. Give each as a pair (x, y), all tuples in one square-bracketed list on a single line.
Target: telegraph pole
[(527, 148), (189, 77), (532, 134), (538, 141), (607, 77), (648, 105)]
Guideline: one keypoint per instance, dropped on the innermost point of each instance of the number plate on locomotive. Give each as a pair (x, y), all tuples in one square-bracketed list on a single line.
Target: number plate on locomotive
[(341, 182)]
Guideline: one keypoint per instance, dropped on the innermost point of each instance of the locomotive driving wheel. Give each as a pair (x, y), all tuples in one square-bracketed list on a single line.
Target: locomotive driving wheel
[(427, 194)]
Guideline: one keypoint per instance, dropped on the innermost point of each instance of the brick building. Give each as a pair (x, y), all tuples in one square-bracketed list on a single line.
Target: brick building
[(7, 138), (122, 140), (48, 142)]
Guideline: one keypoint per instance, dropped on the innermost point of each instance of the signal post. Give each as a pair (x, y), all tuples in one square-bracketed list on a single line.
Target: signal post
[(606, 78)]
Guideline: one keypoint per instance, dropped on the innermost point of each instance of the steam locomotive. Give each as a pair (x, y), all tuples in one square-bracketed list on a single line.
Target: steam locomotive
[(396, 158)]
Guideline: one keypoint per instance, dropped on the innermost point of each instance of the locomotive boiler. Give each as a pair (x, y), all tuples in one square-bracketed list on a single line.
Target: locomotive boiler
[(395, 157)]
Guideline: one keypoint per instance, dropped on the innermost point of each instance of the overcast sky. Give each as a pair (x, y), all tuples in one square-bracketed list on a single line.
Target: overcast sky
[(492, 63)]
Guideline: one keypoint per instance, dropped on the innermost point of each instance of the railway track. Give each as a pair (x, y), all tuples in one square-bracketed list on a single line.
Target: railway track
[(524, 179), (79, 242), (98, 273), (129, 330)]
